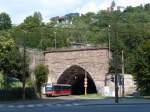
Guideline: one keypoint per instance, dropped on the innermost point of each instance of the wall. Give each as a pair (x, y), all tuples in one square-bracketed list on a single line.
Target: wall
[(95, 61)]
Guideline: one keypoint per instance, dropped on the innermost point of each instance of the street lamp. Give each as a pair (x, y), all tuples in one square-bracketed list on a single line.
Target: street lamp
[(85, 83), (109, 26), (85, 77)]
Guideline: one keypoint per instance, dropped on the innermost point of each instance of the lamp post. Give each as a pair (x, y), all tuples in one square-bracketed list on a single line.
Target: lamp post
[(85, 77), (85, 83), (109, 26)]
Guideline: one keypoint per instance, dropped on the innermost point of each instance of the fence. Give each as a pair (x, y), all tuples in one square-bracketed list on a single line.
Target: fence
[(16, 94)]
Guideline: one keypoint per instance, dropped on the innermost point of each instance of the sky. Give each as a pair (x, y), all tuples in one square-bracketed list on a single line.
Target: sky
[(20, 9)]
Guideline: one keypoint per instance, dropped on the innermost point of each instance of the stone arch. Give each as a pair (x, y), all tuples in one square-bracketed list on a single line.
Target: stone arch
[(74, 76)]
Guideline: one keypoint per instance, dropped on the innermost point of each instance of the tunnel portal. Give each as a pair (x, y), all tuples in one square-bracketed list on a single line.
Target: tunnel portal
[(75, 76)]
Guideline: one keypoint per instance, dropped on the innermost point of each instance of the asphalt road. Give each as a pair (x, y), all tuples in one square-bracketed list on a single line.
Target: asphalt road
[(73, 106)]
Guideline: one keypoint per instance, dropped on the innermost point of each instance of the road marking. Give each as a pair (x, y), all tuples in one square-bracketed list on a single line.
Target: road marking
[(76, 104), (20, 106), (39, 105), (68, 105), (11, 106), (58, 105), (48, 104), (1, 106), (30, 106)]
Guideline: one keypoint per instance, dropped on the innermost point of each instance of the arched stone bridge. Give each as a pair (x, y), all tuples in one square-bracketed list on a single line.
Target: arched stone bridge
[(69, 67)]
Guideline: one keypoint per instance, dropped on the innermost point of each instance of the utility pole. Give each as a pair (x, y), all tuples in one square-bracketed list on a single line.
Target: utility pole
[(123, 89), (116, 65), (24, 66), (116, 77), (55, 40), (116, 89)]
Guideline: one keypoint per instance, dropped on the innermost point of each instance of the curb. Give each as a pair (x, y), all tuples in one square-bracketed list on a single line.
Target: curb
[(115, 104)]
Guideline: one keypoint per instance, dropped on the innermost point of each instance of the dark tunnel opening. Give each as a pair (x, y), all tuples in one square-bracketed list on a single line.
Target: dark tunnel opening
[(75, 76)]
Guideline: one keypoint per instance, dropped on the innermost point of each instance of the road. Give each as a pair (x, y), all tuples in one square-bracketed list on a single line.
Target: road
[(76, 108), (104, 105)]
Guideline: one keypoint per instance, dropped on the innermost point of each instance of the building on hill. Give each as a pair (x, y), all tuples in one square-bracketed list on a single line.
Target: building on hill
[(70, 15), (64, 19), (114, 7)]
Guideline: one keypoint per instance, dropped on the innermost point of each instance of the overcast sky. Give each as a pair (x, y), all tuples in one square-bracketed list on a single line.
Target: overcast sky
[(19, 9)]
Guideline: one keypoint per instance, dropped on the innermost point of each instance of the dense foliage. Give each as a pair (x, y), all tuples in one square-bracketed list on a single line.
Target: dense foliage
[(41, 72), (11, 61), (142, 67), (5, 21)]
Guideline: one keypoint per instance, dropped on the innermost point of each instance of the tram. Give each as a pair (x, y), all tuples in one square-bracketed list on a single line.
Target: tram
[(57, 89)]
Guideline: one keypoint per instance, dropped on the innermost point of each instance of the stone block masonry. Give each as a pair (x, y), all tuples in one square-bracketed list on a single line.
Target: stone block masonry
[(93, 60)]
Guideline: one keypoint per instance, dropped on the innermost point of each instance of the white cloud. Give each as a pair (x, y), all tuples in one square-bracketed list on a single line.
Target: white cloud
[(95, 6), (132, 2), (57, 3), (89, 7), (57, 7), (19, 9)]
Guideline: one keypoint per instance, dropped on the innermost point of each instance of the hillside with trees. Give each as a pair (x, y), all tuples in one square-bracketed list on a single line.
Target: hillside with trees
[(128, 31)]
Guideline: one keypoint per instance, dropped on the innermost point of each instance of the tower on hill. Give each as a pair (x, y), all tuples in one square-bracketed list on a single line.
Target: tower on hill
[(114, 7)]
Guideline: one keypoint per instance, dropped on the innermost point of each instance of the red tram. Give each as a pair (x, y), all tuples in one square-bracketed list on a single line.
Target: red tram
[(57, 89)]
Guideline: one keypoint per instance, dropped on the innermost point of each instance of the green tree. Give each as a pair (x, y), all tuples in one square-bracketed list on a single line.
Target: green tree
[(6, 46), (32, 21), (41, 72), (142, 68), (33, 26), (11, 60), (5, 21), (1, 80)]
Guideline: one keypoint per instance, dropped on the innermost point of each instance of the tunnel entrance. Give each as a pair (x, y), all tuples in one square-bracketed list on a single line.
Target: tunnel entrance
[(75, 76)]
